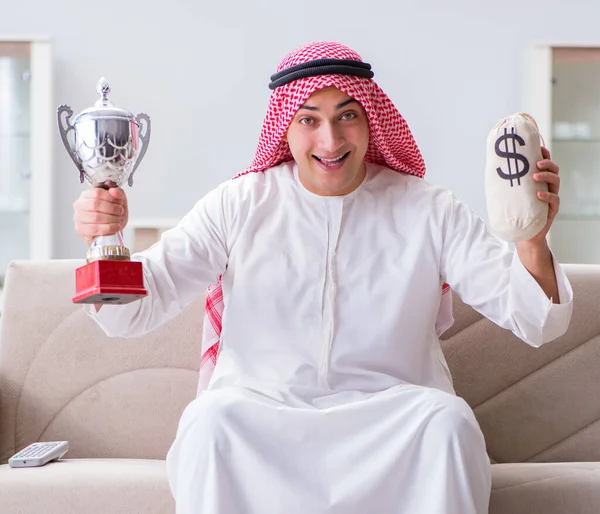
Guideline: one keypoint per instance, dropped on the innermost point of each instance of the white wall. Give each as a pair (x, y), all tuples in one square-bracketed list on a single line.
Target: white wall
[(201, 69)]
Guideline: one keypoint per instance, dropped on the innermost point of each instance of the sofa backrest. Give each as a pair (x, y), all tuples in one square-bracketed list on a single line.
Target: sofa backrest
[(533, 404), (62, 378)]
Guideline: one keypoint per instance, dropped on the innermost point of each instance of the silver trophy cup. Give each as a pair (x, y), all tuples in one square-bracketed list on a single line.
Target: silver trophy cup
[(107, 145)]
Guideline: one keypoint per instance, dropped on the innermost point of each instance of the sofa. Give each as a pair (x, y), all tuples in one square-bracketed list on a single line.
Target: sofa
[(118, 401)]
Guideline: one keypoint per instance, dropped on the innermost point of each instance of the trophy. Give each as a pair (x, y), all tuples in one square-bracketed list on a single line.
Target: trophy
[(107, 145)]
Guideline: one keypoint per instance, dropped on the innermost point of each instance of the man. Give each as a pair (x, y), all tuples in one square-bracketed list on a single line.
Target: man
[(331, 392)]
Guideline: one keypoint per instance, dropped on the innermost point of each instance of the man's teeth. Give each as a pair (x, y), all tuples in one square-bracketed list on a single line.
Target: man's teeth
[(330, 161)]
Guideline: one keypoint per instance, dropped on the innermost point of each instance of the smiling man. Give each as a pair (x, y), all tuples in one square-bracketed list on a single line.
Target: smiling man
[(324, 388), (328, 138)]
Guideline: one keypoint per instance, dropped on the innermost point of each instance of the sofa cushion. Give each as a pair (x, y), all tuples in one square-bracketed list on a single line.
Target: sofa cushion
[(546, 488), (120, 486), (90, 486)]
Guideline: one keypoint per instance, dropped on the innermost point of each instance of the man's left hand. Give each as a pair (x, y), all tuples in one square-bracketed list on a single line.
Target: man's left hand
[(547, 172)]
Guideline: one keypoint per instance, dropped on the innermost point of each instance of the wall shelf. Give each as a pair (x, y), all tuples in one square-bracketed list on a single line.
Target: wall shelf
[(141, 233)]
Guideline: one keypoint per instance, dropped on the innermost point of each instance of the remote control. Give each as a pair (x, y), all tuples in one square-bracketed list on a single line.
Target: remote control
[(38, 454)]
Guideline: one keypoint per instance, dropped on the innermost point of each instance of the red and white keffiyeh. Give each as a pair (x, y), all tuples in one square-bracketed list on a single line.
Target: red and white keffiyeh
[(391, 144)]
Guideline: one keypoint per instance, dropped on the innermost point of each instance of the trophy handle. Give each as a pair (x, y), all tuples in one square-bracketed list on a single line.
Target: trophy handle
[(145, 138), (63, 135)]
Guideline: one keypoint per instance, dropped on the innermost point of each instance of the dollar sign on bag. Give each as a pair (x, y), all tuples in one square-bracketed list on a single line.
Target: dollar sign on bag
[(508, 155)]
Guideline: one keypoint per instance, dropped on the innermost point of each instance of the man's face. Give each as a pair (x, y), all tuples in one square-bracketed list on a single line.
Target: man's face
[(328, 138)]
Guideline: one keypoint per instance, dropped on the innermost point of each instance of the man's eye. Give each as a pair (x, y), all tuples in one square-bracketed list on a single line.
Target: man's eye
[(306, 121), (349, 116)]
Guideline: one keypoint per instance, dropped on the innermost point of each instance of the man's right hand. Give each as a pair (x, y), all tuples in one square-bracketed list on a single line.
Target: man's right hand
[(100, 212)]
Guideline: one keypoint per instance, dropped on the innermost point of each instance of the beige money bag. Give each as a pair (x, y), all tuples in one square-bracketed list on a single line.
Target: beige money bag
[(513, 149)]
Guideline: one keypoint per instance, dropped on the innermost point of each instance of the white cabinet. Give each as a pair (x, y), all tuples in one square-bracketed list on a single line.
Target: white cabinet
[(26, 131), (563, 94), (15, 127)]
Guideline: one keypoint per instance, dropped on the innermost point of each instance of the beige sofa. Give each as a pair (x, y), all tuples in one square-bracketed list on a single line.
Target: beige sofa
[(118, 402)]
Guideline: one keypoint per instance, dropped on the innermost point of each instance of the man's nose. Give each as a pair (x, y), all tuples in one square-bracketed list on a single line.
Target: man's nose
[(331, 138)]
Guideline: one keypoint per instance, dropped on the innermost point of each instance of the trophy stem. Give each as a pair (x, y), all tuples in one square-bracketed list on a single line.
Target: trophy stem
[(112, 240), (108, 248)]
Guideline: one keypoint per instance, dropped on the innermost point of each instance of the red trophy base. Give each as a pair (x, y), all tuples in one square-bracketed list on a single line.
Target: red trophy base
[(109, 281)]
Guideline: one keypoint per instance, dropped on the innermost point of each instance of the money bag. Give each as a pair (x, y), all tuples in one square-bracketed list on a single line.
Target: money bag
[(513, 149)]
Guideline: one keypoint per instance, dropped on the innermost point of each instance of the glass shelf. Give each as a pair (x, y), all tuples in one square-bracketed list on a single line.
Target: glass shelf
[(577, 217), (575, 140), (13, 209)]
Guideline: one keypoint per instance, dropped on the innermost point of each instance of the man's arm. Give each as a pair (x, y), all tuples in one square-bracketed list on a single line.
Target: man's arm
[(491, 278), (177, 270), (537, 259)]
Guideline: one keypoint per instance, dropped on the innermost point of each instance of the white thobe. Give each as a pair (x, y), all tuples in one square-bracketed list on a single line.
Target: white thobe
[(331, 393)]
